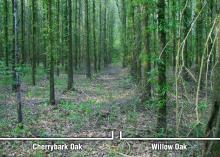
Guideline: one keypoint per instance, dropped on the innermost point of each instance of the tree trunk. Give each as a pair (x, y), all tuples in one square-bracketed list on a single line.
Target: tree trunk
[(100, 36), (161, 121), (124, 34), (87, 47), (6, 33), (17, 60), (174, 34), (79, 33), (34, 42), (199, 34), (133, 44), (94, 37), (70, 54), (138, 43), (58, 39), (105, 35), (52, 92), (22, 32), (186, 27), (76, 37), (147, 59)]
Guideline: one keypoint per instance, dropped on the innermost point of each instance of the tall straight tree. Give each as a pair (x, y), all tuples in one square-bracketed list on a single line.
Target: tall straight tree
[(147, 59), (87, 46), (100, 36), (105, 35), (161, 121), (76, 49), (58, 36), (23, 31), (79, 32), (174, 6), (52, 92), (59, 40), (6, 32), (94, 36), (186, 27), (16, 60), (124, 33), (133, 44), (138, 41), (111, 24), (199, 33), (13, 60), (34, 25), (65, 29), (70, 54)]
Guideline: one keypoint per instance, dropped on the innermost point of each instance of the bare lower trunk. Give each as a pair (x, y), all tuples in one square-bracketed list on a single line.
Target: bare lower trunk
[(17, 61)]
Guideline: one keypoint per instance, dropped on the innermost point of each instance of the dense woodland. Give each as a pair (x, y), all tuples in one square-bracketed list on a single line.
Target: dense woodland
[(149, 68)]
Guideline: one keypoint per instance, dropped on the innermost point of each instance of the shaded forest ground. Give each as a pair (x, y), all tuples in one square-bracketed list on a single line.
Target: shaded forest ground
[(110, 101)]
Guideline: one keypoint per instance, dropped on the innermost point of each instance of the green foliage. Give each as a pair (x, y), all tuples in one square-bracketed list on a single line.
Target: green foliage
[(113, 115), (198, 130), (3, 126), (151, 104), (5, 74), (89, 110), (202, 106), (153, 76), (19, 131), (160, 133), (132, 117)]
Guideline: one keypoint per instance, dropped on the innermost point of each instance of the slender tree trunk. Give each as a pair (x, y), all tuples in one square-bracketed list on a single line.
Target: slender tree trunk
[(133, 44), (52, 92), (161, 121), (124, 34), (76, 37), (139, 44), (13, 62), (70, 54), (34, 41), (79, 32), (210, 50), (16, 60), (6, 33), (87, 47), (111, 24), (105, 35), (174, 34), (199, 35), (22, 32), (45, 18), (100, 36), (147, 61), (66, 32), (58, 39), (186, 26), (94, 37)]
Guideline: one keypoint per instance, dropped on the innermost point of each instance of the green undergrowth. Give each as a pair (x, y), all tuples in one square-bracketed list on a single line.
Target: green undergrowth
[(87, 114)]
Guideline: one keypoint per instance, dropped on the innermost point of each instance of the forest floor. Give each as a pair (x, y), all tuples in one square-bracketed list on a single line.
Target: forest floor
[(108, 102)]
